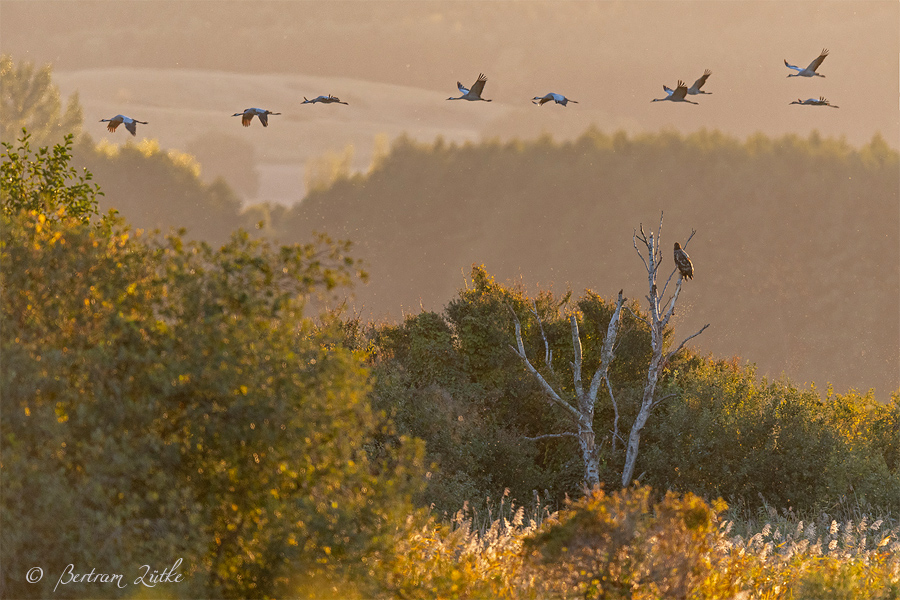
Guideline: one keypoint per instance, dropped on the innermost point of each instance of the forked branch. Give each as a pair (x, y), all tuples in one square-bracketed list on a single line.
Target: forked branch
[(548, 436), (548, 389)]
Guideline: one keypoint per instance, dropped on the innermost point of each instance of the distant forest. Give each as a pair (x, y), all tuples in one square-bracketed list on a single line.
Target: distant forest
[(796, 252)]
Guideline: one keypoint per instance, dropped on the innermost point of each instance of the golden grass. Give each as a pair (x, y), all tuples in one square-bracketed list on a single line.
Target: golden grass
[(783, 558)]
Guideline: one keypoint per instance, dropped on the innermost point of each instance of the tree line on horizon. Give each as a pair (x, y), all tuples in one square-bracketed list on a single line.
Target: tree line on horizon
[(796, 247)]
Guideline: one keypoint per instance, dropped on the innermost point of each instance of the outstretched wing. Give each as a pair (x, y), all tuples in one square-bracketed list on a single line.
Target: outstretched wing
[(815, 64), (132, 127), (699, 83), (478, 86), (668, 90), (790, 66), (264, 119), (245, 120), (680, 91), (462, 88)]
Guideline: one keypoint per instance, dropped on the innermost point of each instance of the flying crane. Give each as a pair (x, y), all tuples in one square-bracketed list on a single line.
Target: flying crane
[(676, 95), (809, 71), (813, 102), (329, 99), (130, 124), (475, 92), (558, 98), (248, 114)]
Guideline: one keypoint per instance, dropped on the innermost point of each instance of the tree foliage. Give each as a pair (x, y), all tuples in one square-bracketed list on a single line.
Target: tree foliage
[(163, 399), (228, 156), (44, 182), (454, 380), (730, 434), (29, 99)]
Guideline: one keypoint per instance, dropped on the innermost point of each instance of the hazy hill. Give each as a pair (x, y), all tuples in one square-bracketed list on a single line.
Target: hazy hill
[(796, 252), (187, 64)]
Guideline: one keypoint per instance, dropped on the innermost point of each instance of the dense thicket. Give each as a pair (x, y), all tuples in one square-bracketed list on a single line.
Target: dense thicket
[(797, 245), (452, 379), (165, 400)]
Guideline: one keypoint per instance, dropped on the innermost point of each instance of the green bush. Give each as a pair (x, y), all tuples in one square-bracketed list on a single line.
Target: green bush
[(728, 433), (165, 400)]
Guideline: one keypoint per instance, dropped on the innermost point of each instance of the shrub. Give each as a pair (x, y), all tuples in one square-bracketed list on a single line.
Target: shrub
[(624, 546)]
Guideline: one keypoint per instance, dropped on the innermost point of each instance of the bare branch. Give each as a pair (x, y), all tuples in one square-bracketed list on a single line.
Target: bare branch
[(665, 287), (615, 417), (606, 354), (657, 324), (548, 352), (576, 365), (658, 240), (548, 389), (637, 316), (634, 239), (681, 345), (661, 400), (671, 305), (551, 435), (688, 241)]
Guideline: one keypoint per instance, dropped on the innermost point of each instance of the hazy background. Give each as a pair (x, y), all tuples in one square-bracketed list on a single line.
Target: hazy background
[(187, 66)]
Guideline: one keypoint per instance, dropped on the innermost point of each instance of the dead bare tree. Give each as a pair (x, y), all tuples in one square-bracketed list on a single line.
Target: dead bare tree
[(660, 314), (580, 409)]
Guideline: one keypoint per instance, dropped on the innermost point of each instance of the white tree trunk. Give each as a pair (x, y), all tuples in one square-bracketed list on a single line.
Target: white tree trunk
[(658, 322), (581, 411)]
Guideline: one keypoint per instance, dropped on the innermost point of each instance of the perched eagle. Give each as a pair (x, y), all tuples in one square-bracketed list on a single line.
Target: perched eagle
[(683, 262)]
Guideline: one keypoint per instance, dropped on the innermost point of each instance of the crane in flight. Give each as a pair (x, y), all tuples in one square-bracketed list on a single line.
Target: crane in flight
[(329, 99), (248, 114), (694, 89), (558, 98), (676, 95), (475, 92), (809, 71), (813, 102), (130, 124)]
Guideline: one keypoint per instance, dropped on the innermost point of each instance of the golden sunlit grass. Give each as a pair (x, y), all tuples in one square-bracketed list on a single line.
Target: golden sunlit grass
[(624, 546)]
